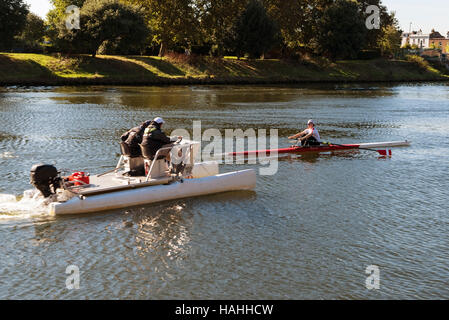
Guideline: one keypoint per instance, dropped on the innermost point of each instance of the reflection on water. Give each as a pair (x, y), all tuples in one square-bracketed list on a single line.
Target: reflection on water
[(164, 233), (309, 231), (315, 157)]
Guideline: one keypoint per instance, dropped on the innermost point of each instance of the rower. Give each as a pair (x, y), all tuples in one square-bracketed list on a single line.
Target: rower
[(308, 137)]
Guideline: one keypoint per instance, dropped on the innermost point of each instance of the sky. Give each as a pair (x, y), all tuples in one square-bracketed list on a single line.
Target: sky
[(423, 14)]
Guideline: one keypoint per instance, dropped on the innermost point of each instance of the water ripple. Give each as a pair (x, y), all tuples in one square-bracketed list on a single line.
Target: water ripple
[(309, 232)]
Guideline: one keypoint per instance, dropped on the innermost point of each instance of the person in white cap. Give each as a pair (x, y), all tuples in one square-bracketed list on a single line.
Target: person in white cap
[(154, 139), (308, 137)]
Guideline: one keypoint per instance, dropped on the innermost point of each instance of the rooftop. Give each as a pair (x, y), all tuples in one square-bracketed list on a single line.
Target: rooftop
[(419, 34)]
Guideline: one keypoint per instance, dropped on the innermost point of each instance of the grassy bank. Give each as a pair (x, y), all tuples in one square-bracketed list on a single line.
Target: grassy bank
[(41, 69)]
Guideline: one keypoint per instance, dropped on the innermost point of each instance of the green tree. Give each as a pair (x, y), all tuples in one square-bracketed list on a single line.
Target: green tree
[(60, 6), (290, 16), (105, 21), (341, 30), (390, 40), (217, 20), (57, 14), (386, 19), (254, 31), (406, 46), (297, 20), (375, 38), (13, 15), (33, 32), (172, 22)]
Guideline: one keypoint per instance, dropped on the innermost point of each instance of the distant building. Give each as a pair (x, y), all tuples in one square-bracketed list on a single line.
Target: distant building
[(439, 42), (418, 38), (426, 40)]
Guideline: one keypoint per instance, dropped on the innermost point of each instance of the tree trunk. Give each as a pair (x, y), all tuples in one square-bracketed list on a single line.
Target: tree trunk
[(162, 50), (220, 51)]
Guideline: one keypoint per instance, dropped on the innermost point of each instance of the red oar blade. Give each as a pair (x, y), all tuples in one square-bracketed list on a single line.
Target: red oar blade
[(385, 152)]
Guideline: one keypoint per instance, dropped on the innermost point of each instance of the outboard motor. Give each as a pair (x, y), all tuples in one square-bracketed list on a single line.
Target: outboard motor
[(45, 178)]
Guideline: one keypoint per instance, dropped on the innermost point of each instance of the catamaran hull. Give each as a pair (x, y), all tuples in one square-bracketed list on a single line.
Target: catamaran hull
[(233, 181)]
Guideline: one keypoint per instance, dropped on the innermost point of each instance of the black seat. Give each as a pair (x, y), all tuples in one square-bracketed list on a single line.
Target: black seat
[(132, 152), (124, 149), (147, 155)]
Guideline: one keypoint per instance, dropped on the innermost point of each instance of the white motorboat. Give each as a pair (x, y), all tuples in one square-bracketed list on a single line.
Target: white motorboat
[(159, 180)]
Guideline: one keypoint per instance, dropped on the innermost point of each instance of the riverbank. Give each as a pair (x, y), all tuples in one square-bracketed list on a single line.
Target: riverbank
[(42, 69)]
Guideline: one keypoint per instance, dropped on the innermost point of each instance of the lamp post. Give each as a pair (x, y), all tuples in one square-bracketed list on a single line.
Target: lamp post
[(409, 33)]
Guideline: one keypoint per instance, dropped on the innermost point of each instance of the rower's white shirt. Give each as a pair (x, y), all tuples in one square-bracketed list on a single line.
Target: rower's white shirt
[(315, 134)]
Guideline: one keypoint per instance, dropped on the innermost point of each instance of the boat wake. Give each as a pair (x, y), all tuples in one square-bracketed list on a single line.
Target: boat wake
[(31, 204), (7, 155)]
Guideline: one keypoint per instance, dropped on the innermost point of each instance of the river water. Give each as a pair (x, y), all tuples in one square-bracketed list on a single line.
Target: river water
[(308, 232)]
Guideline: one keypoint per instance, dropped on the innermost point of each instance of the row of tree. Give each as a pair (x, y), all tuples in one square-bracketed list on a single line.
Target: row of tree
[(335, 28), (19, 27)]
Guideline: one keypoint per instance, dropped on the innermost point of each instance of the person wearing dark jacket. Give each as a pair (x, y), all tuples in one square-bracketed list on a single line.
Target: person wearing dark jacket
[(133, 138), (154, 139)]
